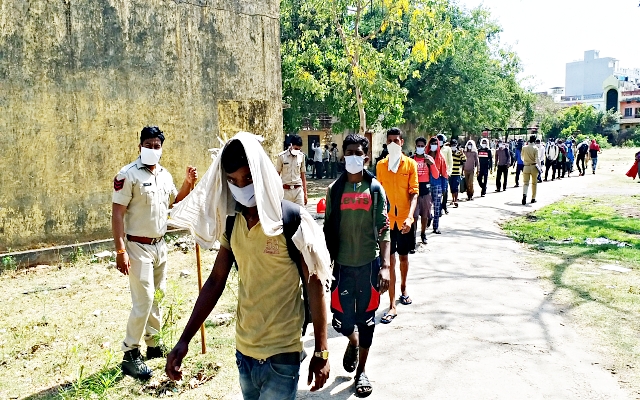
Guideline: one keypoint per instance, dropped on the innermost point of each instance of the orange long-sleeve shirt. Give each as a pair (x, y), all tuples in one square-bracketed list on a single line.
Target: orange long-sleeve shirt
[(399, 188)]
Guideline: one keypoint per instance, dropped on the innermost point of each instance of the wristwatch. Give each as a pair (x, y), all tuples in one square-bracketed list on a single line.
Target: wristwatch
[(324, 354)]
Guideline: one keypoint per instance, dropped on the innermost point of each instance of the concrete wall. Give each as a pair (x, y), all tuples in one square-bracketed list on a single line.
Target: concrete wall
[(586, 77), (80, 78)]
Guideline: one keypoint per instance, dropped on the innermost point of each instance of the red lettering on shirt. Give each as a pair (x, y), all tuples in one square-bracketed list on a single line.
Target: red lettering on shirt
[(355, 201), (423, 170)]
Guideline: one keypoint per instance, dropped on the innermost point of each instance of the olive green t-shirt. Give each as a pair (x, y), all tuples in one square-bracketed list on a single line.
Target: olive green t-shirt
[(358, 245), (270, 304)]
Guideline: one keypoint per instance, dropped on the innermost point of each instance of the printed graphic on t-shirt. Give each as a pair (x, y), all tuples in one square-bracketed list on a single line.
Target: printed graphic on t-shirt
[(355, 201), (423, 168), (272, 246)]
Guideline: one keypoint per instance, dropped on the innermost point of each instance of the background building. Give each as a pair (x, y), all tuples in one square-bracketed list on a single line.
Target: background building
[(584, 78), (630, 109)]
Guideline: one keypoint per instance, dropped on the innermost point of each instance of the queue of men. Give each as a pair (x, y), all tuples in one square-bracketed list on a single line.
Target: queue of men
[(284, 260)]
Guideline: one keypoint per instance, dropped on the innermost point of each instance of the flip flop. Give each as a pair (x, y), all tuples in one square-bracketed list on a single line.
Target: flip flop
[(406, 300), (350, 359), (387, 318), (363, 386)]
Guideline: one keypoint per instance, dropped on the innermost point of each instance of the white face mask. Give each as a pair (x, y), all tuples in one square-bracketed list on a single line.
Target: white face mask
[(501, 146), (354, 164), (441, 143), (245, 195), (434, 147), (395, 152), (150, 156), (420, 150), (295, 152)]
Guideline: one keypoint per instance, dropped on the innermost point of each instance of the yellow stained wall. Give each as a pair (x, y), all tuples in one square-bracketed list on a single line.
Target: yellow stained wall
[(79, 80)]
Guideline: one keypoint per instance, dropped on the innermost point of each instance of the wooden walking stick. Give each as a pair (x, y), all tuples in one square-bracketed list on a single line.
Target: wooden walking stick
[(199, 263), (202, 336)]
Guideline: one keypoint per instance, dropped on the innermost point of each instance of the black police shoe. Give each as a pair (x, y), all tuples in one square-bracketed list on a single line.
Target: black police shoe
[(133, 365), (157, 352)]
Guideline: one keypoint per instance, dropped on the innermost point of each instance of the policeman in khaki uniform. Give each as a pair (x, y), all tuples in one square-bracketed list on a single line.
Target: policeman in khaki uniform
[(290, 166), (143, 192)]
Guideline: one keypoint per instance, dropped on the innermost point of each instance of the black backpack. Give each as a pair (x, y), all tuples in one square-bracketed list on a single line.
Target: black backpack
[(290, 224), (583, 148)]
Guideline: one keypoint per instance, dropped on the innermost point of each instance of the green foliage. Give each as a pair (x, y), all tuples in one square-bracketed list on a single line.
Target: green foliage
[(8, 263), (172, 302), (76, 255), (601, 140), (348, 59), (563, 227), (627, 137), (472, 88), (580, 118), (96, 386)]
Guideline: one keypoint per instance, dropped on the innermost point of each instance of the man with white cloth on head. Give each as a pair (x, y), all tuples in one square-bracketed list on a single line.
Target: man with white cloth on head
[(243, 182)]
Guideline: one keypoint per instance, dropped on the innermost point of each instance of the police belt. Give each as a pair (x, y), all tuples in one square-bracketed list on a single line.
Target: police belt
[(290, 187), (143, 240)]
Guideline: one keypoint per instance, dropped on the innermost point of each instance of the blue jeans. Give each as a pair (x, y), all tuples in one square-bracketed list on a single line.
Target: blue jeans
[(594, 163), (264, 380)]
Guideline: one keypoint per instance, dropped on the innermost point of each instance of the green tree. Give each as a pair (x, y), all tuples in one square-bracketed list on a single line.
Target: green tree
[(583, 118), (349, 57), (473, 87)]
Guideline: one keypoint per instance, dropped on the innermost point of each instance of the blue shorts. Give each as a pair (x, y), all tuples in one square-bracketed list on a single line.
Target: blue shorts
[(454, 183)]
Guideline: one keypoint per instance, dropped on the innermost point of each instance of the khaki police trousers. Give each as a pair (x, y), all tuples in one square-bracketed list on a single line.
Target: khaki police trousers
[(530, 173), (295, 196), (147, 274)]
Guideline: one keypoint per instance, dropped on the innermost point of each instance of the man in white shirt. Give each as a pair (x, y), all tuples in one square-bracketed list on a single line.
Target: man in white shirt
[(317, 159)]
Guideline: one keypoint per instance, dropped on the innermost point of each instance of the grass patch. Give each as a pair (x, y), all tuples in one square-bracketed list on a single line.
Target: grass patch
[(563, 228), (605, 304), (61, 340)]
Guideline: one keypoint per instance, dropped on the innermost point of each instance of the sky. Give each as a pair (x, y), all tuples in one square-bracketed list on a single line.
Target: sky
[(547, 34)]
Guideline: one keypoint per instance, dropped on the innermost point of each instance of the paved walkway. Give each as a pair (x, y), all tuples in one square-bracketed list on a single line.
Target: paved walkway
[(480, 326)]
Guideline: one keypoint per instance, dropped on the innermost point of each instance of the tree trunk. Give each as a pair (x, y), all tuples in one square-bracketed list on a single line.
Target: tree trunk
[(363, 115)]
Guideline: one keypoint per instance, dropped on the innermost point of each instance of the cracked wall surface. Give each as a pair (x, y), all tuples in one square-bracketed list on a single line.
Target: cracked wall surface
[(79, 79)]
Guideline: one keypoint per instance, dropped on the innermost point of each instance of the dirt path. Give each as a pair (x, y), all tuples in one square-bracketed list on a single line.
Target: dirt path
[(481, 326)]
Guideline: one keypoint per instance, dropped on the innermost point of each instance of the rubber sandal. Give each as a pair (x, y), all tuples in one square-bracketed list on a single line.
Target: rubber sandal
[(350, 359), (387, 318), (406, 300), (363, 386)]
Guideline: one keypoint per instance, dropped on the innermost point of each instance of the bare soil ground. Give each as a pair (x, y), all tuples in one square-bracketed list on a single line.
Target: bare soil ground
[(69, 326)]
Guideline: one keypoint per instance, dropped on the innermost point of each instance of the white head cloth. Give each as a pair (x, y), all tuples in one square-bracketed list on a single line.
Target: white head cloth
[(204, 211), (473, 146)]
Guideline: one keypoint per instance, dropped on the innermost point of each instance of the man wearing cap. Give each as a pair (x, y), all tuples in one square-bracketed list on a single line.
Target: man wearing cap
[(290, 166), (531, 169), (143, 192)]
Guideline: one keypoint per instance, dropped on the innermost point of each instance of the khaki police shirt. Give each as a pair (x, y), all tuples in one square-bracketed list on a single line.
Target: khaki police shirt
[(530, 155), (290, 167), (147, 195)]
